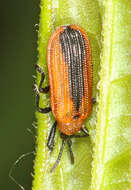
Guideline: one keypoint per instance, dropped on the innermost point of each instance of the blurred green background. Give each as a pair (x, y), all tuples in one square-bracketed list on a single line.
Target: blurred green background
[(18, 53)]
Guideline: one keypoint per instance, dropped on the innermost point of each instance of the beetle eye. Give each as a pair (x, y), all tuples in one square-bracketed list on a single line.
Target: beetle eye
[(76, 116)]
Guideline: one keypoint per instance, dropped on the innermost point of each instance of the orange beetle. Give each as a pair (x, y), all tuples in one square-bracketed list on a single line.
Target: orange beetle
[(70, 81)]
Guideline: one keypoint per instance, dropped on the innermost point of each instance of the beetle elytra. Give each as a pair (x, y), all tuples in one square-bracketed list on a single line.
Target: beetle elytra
[(70, 83)]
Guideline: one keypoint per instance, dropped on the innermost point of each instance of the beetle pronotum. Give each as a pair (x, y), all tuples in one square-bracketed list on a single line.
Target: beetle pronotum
[(70, 83)]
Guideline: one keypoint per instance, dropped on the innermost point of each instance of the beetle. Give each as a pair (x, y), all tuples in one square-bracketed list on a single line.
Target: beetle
[(70, 84)]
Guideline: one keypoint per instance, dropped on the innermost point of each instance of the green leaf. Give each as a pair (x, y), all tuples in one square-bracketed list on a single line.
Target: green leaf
[(55, 13), (112, 165), (112, 158)]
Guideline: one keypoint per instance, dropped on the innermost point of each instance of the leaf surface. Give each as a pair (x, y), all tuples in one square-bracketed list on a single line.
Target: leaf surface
[(66, 176), (112, 165)]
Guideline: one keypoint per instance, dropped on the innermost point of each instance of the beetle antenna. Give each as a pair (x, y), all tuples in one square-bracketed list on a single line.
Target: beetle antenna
[(59, 156), (69, 142)]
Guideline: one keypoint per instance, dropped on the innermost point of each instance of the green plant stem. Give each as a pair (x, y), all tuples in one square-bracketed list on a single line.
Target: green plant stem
[(66, 176), (112, 165)]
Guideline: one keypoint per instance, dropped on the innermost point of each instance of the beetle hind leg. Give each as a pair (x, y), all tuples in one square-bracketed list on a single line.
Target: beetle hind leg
[(41, 110), (39, 89), (40, 70)]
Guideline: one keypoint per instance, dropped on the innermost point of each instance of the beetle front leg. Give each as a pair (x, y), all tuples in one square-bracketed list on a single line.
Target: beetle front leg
[(40, 70), (84, 129), (51, 137), (41, 110)]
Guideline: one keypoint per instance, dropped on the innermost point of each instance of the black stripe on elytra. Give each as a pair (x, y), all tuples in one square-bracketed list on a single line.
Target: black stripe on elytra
[(73, 47)]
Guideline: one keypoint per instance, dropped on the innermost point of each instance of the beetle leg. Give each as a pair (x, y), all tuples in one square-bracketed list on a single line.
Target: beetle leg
[(78, 136), (41, 110), (93, 100), (50, 142), (59, 156), (40, 70), (69, 142), (84, 129)]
